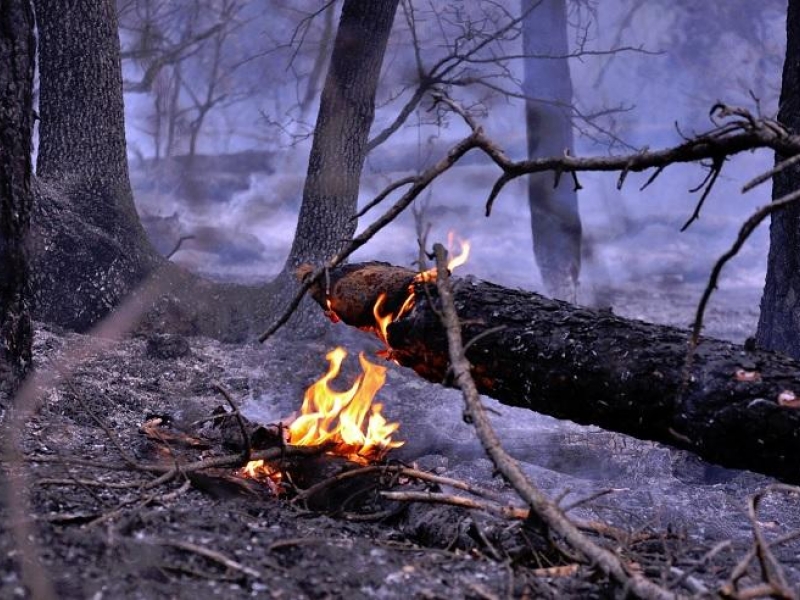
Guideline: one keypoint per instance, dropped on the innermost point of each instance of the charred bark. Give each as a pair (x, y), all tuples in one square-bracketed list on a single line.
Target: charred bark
[(89, 249), (738, 408), (17, 53), (779, 321)]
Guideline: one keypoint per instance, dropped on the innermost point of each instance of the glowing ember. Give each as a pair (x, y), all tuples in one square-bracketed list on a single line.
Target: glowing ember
[(348, 420)]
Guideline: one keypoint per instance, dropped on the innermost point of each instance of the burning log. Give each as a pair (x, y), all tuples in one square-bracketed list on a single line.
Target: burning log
[(739, 408)]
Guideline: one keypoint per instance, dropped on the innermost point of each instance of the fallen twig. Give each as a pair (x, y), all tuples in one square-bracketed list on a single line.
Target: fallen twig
[(212, 555)]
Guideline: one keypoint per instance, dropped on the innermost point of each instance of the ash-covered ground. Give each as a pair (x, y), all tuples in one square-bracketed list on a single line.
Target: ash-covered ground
[(98, 541)]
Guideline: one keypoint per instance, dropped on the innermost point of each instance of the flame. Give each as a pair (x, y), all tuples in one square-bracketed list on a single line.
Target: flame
[(456, 261), (383, 320), (349, 420)]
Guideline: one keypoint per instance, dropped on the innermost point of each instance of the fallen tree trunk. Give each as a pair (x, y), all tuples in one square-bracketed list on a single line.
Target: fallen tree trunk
[(738, 408)]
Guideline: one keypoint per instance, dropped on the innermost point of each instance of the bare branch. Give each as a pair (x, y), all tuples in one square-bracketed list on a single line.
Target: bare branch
[(167, 57)]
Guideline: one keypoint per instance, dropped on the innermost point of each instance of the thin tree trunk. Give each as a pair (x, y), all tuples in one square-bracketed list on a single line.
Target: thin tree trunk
[(339, 149), (779, 322), (555, 221), (17, 55)]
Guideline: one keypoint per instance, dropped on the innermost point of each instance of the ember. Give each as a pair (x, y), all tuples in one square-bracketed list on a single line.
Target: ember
[(348, 420)]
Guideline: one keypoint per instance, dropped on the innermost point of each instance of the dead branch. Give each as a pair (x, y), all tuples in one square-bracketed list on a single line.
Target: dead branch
[(544, 508), (766, 176), (247, 448), (774, 582), (397, 471), (507, 512), (178, 244), (213, 555), (706, 185), (744, 234)]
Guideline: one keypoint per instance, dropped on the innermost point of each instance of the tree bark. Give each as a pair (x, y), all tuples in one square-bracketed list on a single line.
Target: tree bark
[(89, 248), (779, 321), (737, 409), (17, 56), (547, 85)]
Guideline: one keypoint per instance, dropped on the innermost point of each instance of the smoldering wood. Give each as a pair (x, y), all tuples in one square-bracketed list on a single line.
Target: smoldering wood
[(593, 367)]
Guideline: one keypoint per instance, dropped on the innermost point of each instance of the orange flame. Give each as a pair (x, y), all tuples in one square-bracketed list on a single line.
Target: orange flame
[(456, 261), (382, 321), (349, 420)]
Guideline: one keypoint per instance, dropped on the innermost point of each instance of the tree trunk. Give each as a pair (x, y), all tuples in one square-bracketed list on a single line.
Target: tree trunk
[(779, 322), (347, 108), (555, 221), (17, 56), (738, 408), (90, 249)]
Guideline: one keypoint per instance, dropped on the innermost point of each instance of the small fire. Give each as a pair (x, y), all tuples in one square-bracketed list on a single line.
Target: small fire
[(382, 321), (348, 420)]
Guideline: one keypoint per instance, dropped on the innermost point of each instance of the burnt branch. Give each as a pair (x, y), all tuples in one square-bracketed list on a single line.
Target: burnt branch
[(706, 185), (774, 582), (745, 232)]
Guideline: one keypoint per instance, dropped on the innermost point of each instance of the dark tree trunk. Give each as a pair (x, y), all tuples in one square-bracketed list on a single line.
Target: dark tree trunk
[(90, 249), (779, 322), (17, 55), (347, 109), (555, 221), (595, 368)]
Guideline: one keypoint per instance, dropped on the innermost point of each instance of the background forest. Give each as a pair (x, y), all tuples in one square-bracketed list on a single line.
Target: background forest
[(644, 74)]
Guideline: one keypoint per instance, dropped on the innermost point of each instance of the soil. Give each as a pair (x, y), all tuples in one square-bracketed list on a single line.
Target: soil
[(97, 541)]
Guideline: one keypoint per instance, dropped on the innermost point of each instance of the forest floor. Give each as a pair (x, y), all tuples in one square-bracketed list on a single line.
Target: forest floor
[(210, 539)]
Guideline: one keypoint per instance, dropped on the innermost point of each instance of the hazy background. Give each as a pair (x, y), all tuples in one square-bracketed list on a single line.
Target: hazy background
[(242, 209)]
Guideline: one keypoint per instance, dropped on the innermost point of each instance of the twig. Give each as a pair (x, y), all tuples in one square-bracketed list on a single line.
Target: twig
[(771, 569), (178, 244), (247, 447), (764, 177), (708, 183), (545, 509), (213, 555), (386, 191), (745, 231), (129, 460), (398, 471), (507, 512)]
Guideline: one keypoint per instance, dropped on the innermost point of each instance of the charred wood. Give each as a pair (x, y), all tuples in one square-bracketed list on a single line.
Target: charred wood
[(739, 408)]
